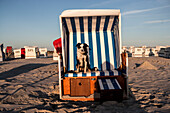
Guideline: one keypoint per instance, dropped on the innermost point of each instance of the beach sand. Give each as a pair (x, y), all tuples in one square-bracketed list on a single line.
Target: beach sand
[(31, 85)]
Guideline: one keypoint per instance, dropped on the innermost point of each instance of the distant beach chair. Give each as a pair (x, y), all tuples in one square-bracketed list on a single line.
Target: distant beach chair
[(147, 52), (22, 53), (57, 48), (101, 30), (43, 52), (9, 52), (167, 52), (2, 54), (31, 52), (55, 55), (19, 53), (130, 51), (138, 52)]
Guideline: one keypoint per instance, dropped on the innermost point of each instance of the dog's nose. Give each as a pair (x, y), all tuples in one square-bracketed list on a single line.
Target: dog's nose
[(82, 50)]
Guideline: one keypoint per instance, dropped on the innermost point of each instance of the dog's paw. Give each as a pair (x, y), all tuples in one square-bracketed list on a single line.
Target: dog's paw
[(88, 70), (96, 69), (76, 71)]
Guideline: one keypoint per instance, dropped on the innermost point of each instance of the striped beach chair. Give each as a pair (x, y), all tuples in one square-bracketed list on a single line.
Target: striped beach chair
[(101, 30)]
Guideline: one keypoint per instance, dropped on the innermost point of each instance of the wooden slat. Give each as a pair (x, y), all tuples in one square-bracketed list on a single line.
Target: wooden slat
[(66, 86), (123, 55), (93, 84)]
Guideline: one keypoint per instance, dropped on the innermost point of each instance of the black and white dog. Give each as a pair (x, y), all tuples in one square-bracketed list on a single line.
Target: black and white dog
[(82, 58)]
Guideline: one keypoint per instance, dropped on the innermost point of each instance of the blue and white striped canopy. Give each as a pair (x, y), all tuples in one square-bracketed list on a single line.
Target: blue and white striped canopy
[(101, 33)]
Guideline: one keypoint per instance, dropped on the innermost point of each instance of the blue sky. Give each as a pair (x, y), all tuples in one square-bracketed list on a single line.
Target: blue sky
[(36, 22)]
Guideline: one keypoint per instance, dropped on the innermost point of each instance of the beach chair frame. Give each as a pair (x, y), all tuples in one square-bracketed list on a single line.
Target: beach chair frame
[(65, 79)]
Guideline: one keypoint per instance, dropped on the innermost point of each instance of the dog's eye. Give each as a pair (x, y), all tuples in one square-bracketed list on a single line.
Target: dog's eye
[(84, 47)]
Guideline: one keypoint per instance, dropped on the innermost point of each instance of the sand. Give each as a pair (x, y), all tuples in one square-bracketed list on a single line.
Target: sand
[(151, 87), (31, 85), (147, 65)]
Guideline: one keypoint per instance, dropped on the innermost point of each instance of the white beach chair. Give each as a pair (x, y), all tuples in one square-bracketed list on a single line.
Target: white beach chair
[(138, 52), (17, 53), (55, 55), (101, 30), (130, 51), (43, 52), (147, 52), (31, 52)]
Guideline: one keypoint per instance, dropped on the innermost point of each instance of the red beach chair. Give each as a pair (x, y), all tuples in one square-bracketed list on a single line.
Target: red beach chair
[(58, 45), (22, 53), (8, 50)]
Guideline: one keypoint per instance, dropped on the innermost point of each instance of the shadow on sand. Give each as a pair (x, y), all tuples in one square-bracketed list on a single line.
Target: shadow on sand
[(19, 70), (57, 105), (2, 63)]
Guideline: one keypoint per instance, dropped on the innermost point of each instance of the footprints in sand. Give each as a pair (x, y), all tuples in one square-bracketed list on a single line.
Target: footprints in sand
[(150, 86), (151, 100), (37, 89)]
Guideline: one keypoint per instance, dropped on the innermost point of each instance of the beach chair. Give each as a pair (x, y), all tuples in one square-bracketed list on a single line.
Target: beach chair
[(147, 52), (22, 53), (43, 52), (17, 53), (101, 31), (9, 52), (31, 52), (55, 55), (167, 52), (138, 52), (57, 45), (2, 54), (57, 48)]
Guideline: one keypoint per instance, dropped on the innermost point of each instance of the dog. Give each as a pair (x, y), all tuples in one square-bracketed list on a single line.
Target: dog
[(82, 58)]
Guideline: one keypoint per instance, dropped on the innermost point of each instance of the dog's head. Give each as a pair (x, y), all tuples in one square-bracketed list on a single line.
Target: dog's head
[(82, 48)]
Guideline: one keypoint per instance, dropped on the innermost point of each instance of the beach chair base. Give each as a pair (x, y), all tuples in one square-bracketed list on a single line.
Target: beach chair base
[(111, 95), (110, 90), (74, 91), (92, 97)]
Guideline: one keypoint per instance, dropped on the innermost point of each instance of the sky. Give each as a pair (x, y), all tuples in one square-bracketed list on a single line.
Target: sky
[(36, 22)]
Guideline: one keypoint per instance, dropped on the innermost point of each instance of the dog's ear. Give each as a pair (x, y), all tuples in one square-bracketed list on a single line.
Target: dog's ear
[(86, 45), (78, 45)]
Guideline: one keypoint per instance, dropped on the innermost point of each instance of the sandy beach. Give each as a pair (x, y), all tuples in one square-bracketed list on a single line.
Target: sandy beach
[(31, 85)]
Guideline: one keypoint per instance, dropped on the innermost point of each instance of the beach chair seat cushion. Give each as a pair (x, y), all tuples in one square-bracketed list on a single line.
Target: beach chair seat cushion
[(96, 73), (110, 90), (109, 84)]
